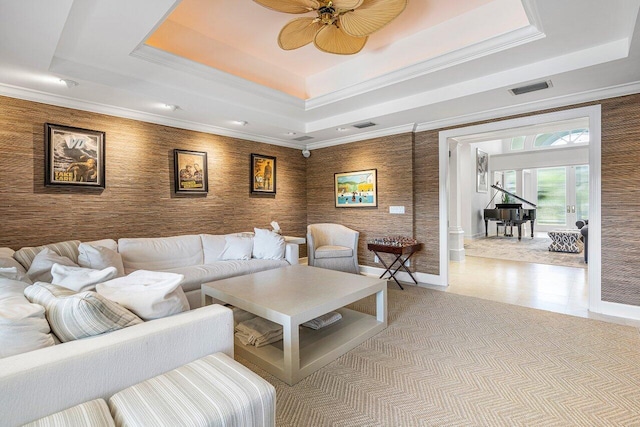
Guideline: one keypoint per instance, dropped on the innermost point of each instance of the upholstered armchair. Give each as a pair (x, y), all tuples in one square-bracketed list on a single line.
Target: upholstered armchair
[(333, 246)]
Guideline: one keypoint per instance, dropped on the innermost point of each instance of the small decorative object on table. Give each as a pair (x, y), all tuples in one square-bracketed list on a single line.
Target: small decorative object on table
[(399, 246)]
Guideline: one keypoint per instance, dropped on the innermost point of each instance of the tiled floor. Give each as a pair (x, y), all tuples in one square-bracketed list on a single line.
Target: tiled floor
[(547, 287)]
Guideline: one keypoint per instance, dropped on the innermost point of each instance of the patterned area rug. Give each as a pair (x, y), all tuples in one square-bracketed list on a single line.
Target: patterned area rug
[(534, 250), (452, 360)]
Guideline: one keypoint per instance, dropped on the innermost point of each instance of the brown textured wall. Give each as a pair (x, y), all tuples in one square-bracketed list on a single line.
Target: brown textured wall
[(138, 200), (392, 157)]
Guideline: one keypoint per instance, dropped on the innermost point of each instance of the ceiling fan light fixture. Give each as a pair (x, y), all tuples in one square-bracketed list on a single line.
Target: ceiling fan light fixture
[(340, 26)]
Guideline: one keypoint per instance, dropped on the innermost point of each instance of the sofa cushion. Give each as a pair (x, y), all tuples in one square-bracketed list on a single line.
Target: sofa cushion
[(74, 316), (80, 279), (148, 294), (15, 273), (6, 252), (67, 249), (268, 244), (197, 275), (103, 243), (40, 269), (212, 246), (23, 326), (160, 253), (237, 247), (94, 413), (99, 257), (212, 391), (333, 252)]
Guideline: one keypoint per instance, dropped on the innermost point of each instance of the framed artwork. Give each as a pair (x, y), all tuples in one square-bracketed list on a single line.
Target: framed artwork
[(482, 171), (190, 171), (73, 157), (263, 174), (357, 189)]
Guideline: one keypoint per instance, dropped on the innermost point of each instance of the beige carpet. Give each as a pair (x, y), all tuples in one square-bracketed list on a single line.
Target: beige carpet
[(534, 250), (451, 360)]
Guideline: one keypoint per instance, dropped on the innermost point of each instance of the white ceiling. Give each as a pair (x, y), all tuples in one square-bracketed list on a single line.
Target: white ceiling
[(455, 69)]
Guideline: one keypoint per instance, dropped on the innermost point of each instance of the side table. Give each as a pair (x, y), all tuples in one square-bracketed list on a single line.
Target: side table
[(398, 251)]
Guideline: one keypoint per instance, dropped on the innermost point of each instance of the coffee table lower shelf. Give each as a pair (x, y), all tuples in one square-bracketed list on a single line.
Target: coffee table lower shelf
[(317, 347)]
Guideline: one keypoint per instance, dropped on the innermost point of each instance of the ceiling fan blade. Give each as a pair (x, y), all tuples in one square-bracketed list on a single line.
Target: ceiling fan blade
[(332, 39), (290, 6), (371, 16), (298, 32), (346, 4)]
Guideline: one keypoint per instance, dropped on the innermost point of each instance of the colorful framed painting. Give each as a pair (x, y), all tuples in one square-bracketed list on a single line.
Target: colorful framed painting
[(356, 189), (263, 174), (74, 157), (190, 171), (482, 171)]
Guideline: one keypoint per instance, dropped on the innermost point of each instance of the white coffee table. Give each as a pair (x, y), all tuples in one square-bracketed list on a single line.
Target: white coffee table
[(296, 294)]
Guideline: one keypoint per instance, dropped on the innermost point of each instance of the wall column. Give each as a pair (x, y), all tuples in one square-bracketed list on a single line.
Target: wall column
[(456, 233)]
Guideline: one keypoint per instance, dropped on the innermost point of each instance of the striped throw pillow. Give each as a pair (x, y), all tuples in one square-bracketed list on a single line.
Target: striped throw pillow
[(73, 316), (94, 413), (212, 391), (68, 249)]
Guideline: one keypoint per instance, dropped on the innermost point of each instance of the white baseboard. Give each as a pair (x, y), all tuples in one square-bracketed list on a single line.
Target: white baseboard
[(619, 310), (424, 279)]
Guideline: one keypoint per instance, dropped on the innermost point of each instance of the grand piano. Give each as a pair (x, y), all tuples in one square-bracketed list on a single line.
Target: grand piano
[(509, 214)]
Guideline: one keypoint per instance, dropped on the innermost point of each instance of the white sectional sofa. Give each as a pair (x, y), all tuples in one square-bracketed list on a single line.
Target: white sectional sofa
[(47, 380)]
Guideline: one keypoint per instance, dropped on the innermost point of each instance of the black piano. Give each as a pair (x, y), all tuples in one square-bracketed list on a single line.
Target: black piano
[(509, 214)]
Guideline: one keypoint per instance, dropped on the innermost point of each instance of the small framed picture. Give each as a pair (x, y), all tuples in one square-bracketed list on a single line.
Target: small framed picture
[(263, 174), (190, 171), (482, 171), (74, 157), (356, 189)]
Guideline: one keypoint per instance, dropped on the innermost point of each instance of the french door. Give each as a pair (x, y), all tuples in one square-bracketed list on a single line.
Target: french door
[(563, 196)]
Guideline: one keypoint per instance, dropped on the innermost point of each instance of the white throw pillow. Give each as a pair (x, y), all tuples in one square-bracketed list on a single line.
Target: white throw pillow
[(14, 273), (74, 316), (99, 257), (23, 326), (237, 248), (268, 245), (80, 279), (40, 270), (149, 294)]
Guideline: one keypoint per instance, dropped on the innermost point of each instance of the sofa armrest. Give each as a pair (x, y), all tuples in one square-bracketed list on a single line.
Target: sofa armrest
[(41, 382), (292, 253)]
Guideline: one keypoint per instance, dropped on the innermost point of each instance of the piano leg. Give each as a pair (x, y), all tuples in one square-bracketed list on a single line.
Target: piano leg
[(486, 227), (519, 231), (532, 221)]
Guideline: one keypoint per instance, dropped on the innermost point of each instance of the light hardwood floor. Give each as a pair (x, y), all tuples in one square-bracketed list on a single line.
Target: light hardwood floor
[(546, 287)]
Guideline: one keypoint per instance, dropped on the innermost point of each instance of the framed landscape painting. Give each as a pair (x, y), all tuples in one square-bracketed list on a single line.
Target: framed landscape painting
[(190, 171), (263, 174), (356, 189), (74, 157), (482, 171)]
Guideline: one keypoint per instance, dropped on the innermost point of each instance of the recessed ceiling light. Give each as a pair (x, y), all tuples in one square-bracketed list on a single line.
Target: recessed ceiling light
[(171, 107), (70, 83), (342, 129), (241, 122)]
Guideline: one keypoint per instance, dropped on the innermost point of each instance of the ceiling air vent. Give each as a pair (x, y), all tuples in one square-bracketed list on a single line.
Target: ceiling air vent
[(531, 88), (364, 125), (303, 138)]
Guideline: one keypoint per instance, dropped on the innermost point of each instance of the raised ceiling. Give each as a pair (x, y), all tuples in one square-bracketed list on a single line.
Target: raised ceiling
[(440, 63)]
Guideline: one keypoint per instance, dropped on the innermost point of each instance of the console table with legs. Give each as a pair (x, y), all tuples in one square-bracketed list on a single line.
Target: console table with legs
[(402, 254)]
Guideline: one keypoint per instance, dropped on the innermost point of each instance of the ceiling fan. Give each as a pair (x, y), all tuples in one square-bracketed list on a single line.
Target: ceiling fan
[(341, 26)]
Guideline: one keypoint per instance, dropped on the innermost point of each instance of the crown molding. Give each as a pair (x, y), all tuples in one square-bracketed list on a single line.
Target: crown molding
[(110, 110), (396, 130), (488, 47), (560, 101)]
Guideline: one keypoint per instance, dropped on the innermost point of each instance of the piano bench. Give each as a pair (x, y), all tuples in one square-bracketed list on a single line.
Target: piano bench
[(566, 241)]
